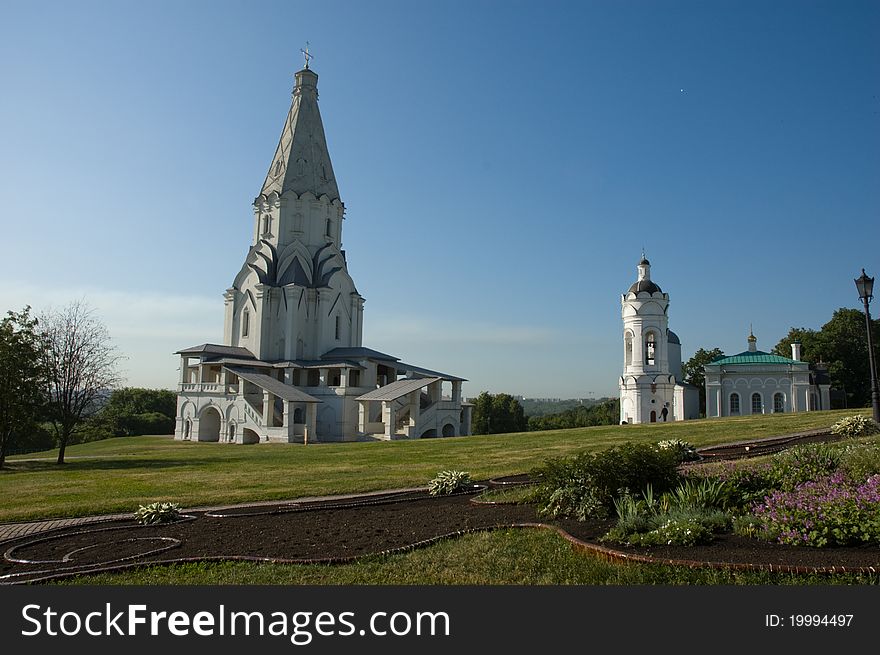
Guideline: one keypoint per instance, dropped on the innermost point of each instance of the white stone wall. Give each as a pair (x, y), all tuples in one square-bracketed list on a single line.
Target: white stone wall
[(766, 381)]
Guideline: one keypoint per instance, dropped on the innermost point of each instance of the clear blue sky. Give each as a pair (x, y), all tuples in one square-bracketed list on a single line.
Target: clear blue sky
[(502, 165)]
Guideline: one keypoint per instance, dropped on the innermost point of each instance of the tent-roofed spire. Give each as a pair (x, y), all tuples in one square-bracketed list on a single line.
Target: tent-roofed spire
[(302, 161)]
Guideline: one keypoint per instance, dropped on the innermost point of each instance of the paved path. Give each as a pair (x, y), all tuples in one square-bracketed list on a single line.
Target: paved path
[(13, 530)]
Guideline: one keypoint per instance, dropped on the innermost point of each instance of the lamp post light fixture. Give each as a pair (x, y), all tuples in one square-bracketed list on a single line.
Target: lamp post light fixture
[(865, 285)]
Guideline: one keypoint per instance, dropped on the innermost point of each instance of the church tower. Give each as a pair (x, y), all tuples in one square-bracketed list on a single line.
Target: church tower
[(651, 352), (292, 367), (293, 298)]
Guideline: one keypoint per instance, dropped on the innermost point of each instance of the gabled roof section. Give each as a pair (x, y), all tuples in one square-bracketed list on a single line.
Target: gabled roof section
[(397, 389), (217, 349), (429, 372), (302, 160), (274, 386), (754, 357), (358, 353)]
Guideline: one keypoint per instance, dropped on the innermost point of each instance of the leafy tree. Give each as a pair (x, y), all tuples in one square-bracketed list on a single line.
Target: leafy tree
[(81, 364), (496, 414), (22, 378), (130, 411), (811, 344), (842, 345), (695, 372)]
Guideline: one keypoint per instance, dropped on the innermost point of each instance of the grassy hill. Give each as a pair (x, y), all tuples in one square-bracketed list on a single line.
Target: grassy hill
[(117, 475)]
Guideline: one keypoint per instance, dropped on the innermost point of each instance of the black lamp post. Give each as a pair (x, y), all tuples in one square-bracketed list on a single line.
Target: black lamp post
[(865, 285)]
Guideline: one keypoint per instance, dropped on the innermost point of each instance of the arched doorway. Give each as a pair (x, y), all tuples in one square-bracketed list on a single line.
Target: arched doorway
[(230, 432), (449, 430), (187, 429), (209, 424), (249, 436), (653, 416)]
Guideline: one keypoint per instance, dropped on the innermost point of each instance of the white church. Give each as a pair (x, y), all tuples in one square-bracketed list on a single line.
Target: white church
[(758, 382), (292, 367), (652, 387)]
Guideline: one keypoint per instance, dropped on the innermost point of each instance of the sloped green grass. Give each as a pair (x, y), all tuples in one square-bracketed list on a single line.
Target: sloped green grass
[(117, 475)]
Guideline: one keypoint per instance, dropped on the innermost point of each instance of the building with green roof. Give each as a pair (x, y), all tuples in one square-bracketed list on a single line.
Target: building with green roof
[(757, 382)]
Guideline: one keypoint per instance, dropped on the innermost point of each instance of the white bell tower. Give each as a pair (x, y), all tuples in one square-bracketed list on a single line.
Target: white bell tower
[(647, 386)]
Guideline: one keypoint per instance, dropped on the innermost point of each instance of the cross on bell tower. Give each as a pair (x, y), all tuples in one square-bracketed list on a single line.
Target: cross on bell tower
[(307, 55)]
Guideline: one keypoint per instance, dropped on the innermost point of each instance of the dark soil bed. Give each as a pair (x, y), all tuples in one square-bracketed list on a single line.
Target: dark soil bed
[(342, 531)]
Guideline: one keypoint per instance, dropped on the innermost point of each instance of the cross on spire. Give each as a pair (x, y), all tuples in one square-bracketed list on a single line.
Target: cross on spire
[(308, 56)]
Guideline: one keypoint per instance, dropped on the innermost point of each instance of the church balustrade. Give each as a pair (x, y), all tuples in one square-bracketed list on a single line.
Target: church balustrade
[(203, 387), (255, 416)]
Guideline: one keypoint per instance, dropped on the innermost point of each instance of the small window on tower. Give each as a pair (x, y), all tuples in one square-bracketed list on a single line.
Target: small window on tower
[(650, 347), (245, 322), (337, 328), (267, 224), (329, 228)]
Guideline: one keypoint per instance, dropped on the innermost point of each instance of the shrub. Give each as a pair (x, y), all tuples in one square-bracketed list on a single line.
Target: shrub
[(708, 493), (804, 463), (683, 451), (157, 513), (584, 485), (448, 482), (827, 512), (860, 461), (855, 426), (744, 484), (685, 516), (677, 527), (749, 525)]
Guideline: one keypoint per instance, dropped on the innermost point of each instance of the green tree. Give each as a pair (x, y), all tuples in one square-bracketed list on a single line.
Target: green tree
[(695, 372), (132, 411), (22, 378), (80, 364), (842, 345), (811, 344), (496, 414)]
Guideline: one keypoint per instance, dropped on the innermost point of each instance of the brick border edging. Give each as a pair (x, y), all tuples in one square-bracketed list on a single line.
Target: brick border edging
[(579, 545)]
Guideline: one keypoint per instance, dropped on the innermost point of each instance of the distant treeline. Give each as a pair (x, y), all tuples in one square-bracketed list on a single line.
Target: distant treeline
[(544, 406), (502, 413), (603, 412)]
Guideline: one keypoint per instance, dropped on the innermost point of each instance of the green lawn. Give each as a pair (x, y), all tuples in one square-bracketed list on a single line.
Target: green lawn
[(117, 475)]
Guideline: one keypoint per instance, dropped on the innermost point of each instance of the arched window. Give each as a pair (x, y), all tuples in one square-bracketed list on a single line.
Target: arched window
[(650, 348), (734, 404), (298, 416), (757, 404), (778, 403), (245, 322), (628, 348), (267, 224), (329, 228)]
